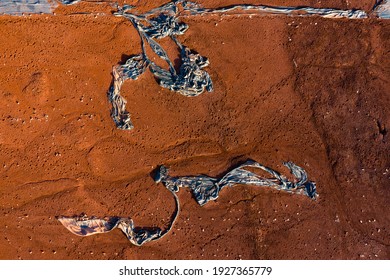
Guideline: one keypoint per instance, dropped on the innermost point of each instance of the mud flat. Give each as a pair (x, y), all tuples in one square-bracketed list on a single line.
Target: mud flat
[(307, 89)]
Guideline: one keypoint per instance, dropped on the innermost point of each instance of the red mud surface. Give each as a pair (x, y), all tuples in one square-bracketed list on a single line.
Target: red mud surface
[(311, 90)]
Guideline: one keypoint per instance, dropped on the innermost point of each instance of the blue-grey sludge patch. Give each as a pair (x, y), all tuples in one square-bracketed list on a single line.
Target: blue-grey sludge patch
[(22, 7), (203, 188), (19, 7), (191, 79), (382, 9), (83, 225), (162, 22)]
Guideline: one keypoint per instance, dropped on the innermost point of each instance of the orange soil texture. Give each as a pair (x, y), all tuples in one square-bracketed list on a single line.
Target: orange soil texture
[(311, 90)]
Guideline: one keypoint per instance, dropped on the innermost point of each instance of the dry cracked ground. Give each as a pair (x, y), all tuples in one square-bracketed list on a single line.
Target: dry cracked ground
[(311, 90)]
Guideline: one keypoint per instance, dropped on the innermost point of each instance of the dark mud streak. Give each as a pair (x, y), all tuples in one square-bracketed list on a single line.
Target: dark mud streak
[(329, 141), (335, 190), (382, 130)]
